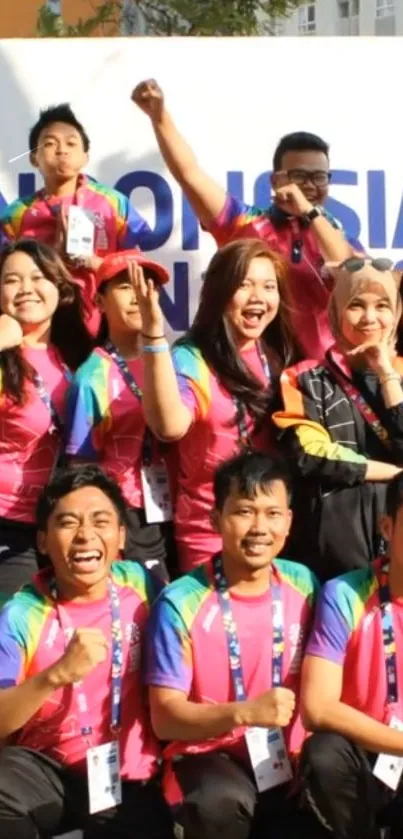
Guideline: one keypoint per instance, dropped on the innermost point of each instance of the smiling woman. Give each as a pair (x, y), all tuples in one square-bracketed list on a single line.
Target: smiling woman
[(40, 312), (212, 395)]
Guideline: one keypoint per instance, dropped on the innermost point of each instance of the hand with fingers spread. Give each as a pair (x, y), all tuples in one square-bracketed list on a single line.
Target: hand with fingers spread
[(290, 199), (149, 98), (148, 302), (86, 649), (11, 334)]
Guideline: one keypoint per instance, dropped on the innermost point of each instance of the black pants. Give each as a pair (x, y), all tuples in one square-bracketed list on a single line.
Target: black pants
[(19, 560), (151, 544), (343, 792), (40, 798), (221, 802)]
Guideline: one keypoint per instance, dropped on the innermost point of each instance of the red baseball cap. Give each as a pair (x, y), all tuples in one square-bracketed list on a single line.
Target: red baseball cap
[(114, 263)]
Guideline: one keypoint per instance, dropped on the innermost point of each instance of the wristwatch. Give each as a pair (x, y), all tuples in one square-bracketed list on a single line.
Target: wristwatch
[(313, 214)]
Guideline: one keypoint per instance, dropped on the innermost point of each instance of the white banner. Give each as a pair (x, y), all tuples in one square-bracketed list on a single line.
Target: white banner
[(233, 99)]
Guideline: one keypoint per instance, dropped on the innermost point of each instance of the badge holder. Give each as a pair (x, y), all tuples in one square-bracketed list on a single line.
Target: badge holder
[(389, 768), (103, 773), (268, 756), (80, 232), (156, 493)]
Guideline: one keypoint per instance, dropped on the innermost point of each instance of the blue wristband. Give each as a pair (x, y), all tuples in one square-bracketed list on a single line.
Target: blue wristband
[(154, 348)]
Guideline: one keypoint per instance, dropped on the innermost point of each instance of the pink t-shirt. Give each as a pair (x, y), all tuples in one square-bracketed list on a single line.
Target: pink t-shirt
[(117, 227), (31, 640), (188, 651), (105, 421), (212, 438), (28, 451), (348, 631)]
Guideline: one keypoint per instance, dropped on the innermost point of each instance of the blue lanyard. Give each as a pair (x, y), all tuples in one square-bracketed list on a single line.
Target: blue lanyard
[(244, 440), (388, 635), (56, 422), (117, 661), (234, 648), (147, 447)]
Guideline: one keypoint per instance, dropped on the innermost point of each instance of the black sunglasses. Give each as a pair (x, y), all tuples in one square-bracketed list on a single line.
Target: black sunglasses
[(355, 263)]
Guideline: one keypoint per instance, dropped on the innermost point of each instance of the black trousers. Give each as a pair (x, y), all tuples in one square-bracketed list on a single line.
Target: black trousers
[(341, 789), (19, 560), (220, 801), (41, 798), (151, 544)]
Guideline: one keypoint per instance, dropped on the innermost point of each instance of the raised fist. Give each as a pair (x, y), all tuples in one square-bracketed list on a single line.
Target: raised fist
[(150, 98)]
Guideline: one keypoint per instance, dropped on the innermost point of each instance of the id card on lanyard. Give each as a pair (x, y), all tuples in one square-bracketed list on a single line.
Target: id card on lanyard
[(266, 746), (103, 762), (244, 441), (389, 768), (154, 476)]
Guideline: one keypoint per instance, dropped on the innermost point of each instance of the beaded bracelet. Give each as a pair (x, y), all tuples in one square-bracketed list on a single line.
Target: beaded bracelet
[(154, 348)]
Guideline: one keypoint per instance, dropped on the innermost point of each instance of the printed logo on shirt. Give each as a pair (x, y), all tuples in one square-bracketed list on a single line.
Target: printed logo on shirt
[(296, 639), (211, 615), (52, 634), (101, 238), (369, 618)]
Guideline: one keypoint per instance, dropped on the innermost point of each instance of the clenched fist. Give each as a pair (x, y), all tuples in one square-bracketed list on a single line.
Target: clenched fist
[(87, 649), (273, 708), (150, 98), (292, 200), (11, 334)]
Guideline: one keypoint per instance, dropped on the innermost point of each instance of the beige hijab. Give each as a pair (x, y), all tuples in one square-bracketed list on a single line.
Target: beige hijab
[(348, 285)]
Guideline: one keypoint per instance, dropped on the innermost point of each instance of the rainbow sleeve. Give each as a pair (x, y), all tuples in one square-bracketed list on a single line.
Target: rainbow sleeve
[(88, 414), (193, 378)]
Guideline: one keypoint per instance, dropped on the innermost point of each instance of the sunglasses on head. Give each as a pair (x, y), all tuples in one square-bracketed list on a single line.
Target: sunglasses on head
[(355, 263)]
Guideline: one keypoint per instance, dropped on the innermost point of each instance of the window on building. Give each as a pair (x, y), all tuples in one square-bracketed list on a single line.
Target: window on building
[(349, 8), (385, 8), (307, 19)]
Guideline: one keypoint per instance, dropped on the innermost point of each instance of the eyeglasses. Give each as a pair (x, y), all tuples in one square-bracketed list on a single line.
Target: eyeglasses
[(355, 263), (319, 177)]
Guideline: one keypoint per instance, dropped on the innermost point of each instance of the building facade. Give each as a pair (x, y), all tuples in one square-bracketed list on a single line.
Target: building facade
[(344, 17)]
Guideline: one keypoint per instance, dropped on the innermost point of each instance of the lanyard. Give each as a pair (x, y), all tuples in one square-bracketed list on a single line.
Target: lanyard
[(388, 635), (117, 661), (241, 415), (362, 406), (234, 648), (147, 447)]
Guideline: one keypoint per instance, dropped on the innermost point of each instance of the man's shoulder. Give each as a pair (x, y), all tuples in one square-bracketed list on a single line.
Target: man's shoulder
[(26, 607), (18, 207), (187, 594), (132, 576), (299, 577), (350, 593), (109, 193)]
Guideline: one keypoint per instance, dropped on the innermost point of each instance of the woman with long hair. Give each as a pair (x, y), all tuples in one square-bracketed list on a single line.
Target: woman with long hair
[(105, 419), (342, 423), (213, 395), (42, 338)]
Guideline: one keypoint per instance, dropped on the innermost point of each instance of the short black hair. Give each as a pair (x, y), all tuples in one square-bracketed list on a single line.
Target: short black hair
[(394, 495), (56, 113), (248, 473), (298, 141), (77, 477)]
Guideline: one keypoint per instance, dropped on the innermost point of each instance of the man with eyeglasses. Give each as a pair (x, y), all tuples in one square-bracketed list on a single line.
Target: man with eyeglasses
[(296, 224)]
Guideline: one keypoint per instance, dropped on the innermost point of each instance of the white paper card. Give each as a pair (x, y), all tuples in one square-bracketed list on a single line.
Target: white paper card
[(80, 232), (156, 493), (268, 756), (389, 768), (103, 773)]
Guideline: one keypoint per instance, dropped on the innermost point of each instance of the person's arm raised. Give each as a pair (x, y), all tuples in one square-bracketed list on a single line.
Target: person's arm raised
[(165, 414), (322, 709), (205, 195)]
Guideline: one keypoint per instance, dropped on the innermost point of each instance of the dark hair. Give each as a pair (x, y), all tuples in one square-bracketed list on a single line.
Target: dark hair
[(103, 331), (211, 335), (56, 113), (394, 495), (247, 474), (68, 333), (67, 480), (298, 141)]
